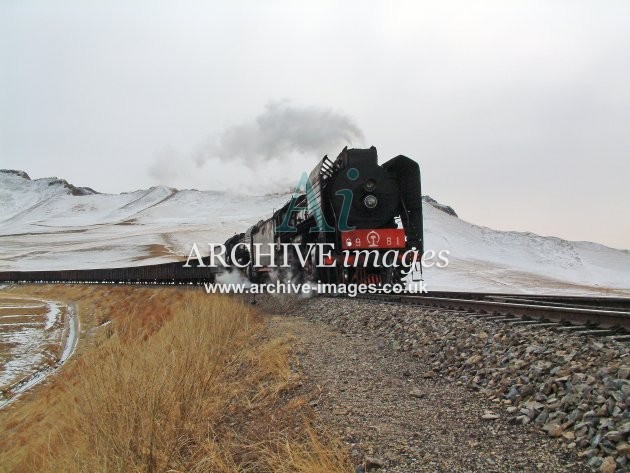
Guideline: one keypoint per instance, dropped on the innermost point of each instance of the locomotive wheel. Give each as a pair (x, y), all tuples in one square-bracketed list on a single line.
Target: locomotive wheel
[(253, 275), (309, 272)]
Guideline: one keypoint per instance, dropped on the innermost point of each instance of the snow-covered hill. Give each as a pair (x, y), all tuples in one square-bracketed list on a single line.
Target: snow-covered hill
[(44, 226), (482, 259), (50, 224)]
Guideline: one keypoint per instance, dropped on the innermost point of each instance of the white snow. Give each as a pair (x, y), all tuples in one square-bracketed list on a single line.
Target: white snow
[(62, 231), (22, 342), (482, 259), (44, 226), (25, 356), (51, 315), (72, 338)]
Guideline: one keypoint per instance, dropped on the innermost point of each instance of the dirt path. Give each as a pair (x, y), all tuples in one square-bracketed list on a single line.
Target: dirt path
[(379, 402)]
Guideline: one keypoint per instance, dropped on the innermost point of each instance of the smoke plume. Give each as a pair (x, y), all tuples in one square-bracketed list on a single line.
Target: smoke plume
[(168, 166), (282, 130)]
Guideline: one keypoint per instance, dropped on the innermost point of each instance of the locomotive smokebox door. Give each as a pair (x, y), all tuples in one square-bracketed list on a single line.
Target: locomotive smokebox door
[(374, 190)]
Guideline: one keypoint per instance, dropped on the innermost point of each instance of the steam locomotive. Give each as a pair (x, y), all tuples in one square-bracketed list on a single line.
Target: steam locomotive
[(352, 204)]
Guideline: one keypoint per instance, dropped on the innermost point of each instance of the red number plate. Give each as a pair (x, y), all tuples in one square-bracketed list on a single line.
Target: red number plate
[(377, 238)]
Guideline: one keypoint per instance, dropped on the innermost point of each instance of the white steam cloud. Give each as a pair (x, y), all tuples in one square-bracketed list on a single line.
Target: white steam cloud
[(265, 154), (282, 130)]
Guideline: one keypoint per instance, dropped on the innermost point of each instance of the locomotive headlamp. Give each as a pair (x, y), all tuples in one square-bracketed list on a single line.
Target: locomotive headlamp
[(370, 185), (370, 201)]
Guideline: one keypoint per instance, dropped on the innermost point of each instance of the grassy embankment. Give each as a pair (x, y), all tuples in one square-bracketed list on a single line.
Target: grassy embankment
[(178, 381)]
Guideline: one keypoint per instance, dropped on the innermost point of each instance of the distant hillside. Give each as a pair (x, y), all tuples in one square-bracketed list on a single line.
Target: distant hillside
[(51, 224)]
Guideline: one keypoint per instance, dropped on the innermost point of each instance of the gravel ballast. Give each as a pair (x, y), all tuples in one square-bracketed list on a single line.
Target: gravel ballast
[(559, 397)]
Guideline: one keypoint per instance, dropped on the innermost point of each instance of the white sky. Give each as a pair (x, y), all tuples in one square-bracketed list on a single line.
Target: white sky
[(517, 111)]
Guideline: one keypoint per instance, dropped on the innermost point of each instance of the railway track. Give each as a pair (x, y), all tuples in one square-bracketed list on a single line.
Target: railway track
[(588, 315), (597, 316)]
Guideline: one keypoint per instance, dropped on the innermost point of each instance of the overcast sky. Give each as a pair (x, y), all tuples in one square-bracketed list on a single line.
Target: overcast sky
[(517, 111)]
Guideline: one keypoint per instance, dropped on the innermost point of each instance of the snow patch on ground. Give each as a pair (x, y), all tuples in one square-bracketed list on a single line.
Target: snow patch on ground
[(28, 351), (22, 344)]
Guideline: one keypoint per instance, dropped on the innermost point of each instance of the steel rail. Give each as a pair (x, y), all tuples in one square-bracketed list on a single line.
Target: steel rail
[(608, 302), (610, 319)]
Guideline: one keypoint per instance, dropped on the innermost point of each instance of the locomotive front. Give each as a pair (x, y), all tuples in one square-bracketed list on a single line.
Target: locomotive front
[(363, 200), (352, 204)]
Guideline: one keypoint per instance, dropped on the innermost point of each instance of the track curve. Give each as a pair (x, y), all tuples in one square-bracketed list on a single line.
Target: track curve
[(609, 313)]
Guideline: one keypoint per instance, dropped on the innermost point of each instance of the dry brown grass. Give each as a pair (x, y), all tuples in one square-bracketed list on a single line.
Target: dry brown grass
[(27, 310), (179, 381)]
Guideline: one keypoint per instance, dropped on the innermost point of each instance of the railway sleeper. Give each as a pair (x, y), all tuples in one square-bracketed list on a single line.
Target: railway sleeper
[(620, 338), (572, 328), (544, 324), (596, 332)]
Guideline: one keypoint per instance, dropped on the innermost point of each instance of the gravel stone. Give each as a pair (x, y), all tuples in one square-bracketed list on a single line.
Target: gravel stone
[(378, 396)]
